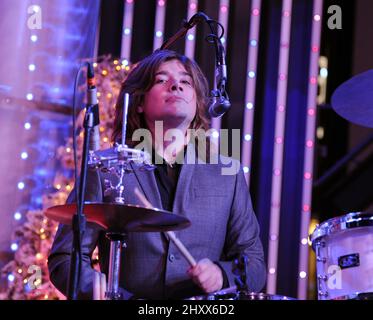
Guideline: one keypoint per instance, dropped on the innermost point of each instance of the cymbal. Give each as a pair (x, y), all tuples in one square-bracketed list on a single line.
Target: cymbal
[(121, 218), (353, 100)]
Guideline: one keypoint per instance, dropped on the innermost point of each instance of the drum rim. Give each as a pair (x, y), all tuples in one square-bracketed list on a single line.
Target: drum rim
[(346, 222), (352, 296)]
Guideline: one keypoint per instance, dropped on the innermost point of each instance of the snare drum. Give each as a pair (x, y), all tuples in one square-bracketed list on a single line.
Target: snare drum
[(344, 257), (232, 294)]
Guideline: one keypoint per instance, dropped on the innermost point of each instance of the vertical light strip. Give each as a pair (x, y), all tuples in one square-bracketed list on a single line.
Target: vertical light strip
[(252, 62), (309, 149), (125, 52), (190, 40), (223, 19), (279, 146), (160, 16)]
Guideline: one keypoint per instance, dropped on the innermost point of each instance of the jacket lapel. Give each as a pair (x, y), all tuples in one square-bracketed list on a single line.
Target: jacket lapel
[(146, 180)]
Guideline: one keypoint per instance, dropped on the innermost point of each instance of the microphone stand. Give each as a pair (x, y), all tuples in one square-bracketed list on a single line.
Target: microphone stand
[(91, 119)]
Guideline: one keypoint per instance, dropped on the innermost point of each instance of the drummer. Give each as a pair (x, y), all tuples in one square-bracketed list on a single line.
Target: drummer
[(169, 91)]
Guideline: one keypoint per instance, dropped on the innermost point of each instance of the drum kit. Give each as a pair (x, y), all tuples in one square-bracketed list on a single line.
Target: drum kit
[(343, 245)]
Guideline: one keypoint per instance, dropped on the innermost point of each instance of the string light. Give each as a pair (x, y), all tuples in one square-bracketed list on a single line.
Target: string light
[(17, 216), (31, 67), (104, 72), (29, 96), (14, 247), (249, 105), (24, 155), (21, 185), (27, 125), (34, 38)]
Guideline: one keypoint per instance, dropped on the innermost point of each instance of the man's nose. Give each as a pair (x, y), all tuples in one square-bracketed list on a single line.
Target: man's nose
[(176, 86)]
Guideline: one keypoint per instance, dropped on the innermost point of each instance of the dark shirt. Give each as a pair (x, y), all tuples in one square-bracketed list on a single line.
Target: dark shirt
[(167, 176)]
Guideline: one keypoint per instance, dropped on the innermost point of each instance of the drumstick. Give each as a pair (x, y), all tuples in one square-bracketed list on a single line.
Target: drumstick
[(184, 251), (96, 286), (103, 286)]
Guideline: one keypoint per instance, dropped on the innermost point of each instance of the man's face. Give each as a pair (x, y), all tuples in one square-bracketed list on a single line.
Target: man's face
[(172, 97)]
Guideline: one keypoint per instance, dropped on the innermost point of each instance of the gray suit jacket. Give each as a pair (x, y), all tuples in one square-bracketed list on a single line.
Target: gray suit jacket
[(223, 225)]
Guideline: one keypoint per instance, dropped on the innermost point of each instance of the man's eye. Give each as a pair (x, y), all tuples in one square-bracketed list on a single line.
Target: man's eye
[(160, 81), (186, 82)]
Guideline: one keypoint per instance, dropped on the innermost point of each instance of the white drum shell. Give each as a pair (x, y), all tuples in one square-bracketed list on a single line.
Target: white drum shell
[(344, 261)]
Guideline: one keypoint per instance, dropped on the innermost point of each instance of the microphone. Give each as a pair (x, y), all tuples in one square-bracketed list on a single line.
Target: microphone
[(94, 138), (219, 102), (218, 106)]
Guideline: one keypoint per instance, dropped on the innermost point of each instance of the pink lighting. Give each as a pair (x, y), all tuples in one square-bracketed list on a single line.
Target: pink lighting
[(279, 140), (306, 208), (307, 175), (193, 6), (311, 112), (309, 143), (255, 12)]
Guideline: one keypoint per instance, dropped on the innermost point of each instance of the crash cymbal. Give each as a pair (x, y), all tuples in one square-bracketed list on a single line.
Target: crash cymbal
[(353, 100), (121, 218)]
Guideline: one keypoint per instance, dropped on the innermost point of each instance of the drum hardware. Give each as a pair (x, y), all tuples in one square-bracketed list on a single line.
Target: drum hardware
[(324, 294), (232, 293)]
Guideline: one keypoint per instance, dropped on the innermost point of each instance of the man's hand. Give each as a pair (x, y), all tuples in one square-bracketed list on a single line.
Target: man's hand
[(207, 275)]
